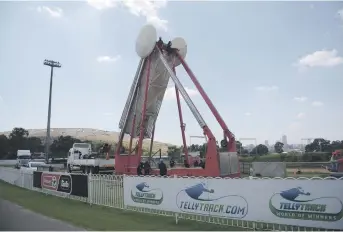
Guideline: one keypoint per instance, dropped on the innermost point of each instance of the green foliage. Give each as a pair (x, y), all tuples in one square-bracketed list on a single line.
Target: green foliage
[(289, 157), (323, 145), (260, 150), (63, 144), (278, 147), (316, 157), (19, 139)]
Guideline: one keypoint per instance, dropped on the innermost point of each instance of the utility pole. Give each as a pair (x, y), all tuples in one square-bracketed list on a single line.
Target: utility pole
[(52, 64)]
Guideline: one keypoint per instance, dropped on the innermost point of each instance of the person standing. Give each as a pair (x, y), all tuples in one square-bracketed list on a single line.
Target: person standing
[(163, 168), (140, 169), (147, 168)]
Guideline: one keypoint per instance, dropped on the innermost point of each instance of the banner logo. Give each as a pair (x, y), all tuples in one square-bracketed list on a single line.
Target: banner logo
[(144, 195), (296, 203), (56, 182), (199, 199), (50, 181)]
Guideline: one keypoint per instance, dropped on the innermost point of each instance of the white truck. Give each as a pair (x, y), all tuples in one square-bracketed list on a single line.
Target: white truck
[(23, 157), (80, 157)]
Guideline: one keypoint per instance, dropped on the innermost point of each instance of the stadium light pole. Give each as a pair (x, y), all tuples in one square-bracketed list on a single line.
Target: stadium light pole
[(52, 64)]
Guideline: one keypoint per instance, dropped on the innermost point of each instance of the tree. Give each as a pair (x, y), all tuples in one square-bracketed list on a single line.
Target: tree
[(34, 144), (320, 145), (19, 132), (337, 145), (18, 139), (278, 147), (262, 149), (63, 144), (174, 151), (4, 146)]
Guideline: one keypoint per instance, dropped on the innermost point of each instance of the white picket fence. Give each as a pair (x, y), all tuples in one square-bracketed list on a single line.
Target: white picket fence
[(107, 190)]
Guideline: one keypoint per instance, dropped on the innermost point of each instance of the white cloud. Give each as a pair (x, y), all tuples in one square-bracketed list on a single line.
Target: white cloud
[(102, 4), (317, 103), (301, 115), (267, 88), (142, 8), (170, 93), (323, 58), (247, 114), (300, 99), (108, 59), (52, 11)]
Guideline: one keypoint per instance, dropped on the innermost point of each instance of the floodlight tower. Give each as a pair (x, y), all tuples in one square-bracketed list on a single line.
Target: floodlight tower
[(52, 64)]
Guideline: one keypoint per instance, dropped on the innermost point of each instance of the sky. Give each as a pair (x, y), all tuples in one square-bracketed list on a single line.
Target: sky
[(270, 68)]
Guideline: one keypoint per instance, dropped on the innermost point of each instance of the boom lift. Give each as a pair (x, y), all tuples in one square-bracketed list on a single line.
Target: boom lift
[(157, 65)]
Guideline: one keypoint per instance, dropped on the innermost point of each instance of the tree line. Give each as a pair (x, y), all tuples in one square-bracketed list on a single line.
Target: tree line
[(260, 149), (19, 139), (318, 145)]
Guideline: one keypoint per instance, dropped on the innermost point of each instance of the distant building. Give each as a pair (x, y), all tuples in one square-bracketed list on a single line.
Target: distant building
[(266, 143), (284, 139)]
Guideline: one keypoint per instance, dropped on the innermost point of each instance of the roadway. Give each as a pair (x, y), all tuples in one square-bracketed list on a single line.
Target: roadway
[(16, 218)]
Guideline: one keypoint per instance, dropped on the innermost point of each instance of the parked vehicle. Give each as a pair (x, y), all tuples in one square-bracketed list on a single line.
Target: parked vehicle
[(32, 166), (81, 157), (23, 157)]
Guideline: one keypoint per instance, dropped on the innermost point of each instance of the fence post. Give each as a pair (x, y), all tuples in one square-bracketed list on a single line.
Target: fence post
[(90, 189), (22, 180), (123, 191)]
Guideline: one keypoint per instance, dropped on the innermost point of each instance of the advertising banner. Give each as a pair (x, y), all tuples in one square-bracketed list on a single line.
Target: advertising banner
[(74, 184), (56, 182), (308, 203)]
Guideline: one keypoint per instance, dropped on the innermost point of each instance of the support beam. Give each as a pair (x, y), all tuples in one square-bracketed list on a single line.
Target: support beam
[(227, 132), (141, 135)]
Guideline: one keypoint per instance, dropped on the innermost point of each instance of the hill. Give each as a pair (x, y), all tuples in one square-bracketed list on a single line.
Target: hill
[(91, 135)]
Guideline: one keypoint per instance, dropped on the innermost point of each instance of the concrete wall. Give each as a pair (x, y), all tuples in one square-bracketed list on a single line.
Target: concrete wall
[(269, 169), (7, 162)]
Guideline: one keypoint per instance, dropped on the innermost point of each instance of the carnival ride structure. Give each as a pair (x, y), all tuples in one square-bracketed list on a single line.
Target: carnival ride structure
[(157, 65)]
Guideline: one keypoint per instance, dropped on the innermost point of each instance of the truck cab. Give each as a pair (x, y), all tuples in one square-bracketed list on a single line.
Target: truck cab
[(23, 158), (77, 152)]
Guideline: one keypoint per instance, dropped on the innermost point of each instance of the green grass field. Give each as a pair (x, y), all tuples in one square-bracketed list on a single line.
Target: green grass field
[(96, 217), (265, 158)]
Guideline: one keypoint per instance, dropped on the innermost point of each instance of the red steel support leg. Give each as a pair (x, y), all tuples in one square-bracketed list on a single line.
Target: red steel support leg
[(132, 132), (185, 149), (131, 138), (141, 135), (212, 166), (152, 141), (232, 142)]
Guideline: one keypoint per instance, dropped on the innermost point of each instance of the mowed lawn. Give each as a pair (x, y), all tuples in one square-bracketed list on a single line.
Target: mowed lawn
[(97, 217)]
